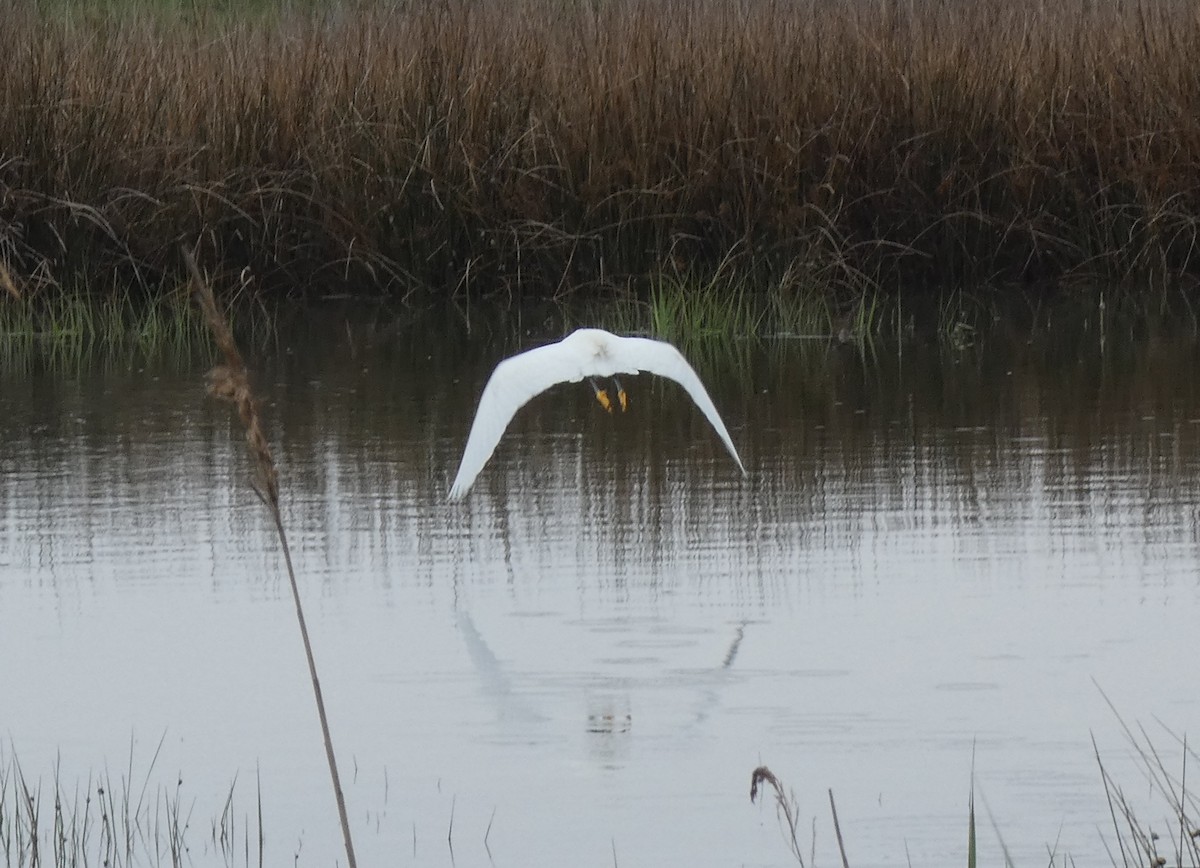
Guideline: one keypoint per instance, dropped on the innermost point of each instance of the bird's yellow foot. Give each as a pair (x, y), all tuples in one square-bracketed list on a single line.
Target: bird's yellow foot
[(624, 399), (605, 401)]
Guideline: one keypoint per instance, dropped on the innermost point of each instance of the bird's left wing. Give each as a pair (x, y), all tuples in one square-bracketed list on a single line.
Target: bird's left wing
[(659, 357), (514, 382)]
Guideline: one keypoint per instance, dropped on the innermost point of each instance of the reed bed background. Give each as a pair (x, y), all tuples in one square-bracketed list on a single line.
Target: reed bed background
[(463, 148)]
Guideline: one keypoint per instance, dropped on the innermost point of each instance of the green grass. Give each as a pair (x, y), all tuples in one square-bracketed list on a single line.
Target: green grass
[(69, 330), (735, 305)]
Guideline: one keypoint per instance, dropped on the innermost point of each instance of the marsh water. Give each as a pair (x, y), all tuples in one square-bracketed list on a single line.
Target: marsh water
[(948, 558)]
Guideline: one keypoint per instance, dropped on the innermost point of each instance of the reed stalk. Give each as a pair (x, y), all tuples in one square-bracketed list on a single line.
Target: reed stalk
[(231, 382), (786, 809)]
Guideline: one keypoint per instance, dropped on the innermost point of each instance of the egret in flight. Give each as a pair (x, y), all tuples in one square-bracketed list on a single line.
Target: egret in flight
[(584, 353)]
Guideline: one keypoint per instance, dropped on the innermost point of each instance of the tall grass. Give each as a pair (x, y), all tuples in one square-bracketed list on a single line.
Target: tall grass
[(69, 332), (1169, 840), (536, 146), (116, 320), (116, 820)]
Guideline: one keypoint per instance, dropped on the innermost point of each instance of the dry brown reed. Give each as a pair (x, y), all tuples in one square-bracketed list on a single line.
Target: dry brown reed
[(786, 809), (528, 146), (231, 382)]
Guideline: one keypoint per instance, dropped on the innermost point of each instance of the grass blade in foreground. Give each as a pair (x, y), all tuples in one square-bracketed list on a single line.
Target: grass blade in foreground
[(231, 382)]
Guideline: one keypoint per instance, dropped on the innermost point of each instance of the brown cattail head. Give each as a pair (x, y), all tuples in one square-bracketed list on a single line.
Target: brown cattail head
[(231, 382)]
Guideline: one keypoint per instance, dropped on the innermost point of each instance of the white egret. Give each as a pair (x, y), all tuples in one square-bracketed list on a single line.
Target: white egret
[(584, 353)]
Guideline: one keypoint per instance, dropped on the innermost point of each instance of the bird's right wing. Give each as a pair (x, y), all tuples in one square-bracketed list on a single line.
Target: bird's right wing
[(659, 357), (514, 382)]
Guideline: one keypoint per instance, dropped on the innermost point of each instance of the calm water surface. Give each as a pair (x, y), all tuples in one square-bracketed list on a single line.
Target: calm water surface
[(939, 558)]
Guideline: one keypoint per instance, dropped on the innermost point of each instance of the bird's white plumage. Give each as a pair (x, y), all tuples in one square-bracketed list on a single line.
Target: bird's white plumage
[(583, 353)]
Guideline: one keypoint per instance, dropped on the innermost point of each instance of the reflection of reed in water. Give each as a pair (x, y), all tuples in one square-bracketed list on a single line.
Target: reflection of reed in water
[(734, 646), (849, 452)]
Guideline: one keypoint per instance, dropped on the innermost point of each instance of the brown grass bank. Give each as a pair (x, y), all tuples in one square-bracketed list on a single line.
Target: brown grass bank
[(536, 146)]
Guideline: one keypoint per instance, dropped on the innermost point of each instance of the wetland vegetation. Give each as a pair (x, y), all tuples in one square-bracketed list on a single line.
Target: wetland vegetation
[(127, 819), (817, 152)]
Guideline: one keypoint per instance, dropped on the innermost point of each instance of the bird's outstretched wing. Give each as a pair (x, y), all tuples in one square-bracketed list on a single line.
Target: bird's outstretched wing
[(514, 382), (659, 357)]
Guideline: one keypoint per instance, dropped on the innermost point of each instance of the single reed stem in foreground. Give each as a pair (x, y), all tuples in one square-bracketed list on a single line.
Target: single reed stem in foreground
[(837, 827), (785, 807), (231, 382)]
